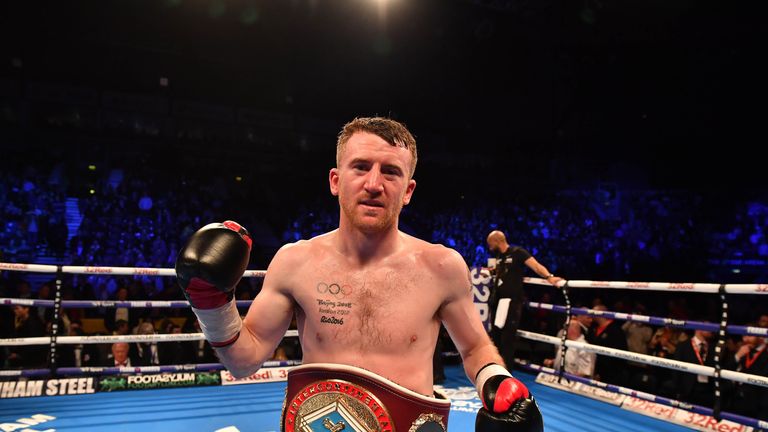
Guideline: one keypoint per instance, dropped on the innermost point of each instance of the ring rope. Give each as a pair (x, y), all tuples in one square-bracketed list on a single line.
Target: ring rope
[(653, 286), (755, 423), (651, 360), (711, 288), (105, 270), (178, 304), (73, 340), (91, 304), (642, 358), (201, 367), (691, 325)]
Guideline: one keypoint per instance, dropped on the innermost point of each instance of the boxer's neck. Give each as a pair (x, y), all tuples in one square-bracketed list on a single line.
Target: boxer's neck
[(367, 247)]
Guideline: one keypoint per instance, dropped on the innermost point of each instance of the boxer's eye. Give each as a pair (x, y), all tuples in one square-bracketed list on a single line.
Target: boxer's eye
[(391, 171)]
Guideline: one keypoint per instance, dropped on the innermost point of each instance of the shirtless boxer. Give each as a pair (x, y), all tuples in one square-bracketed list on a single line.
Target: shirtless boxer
[(365, 295)]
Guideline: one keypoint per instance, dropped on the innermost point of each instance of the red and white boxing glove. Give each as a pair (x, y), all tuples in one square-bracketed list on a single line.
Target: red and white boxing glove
[(208, 268), (507, 403)]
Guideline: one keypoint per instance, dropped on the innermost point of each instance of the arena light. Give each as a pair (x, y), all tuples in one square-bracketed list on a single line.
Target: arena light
[(91, 167), (92, 191), (238, 179), (382, 7)]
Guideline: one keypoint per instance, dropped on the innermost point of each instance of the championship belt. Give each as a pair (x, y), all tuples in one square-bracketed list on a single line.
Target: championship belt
[(323, 397)]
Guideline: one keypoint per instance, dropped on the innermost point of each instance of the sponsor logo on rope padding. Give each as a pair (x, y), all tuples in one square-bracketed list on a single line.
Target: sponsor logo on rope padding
[(681, 286), (161, 380), (105, 270), (51, 387), (146, 271), (11, 266), (165, 380)]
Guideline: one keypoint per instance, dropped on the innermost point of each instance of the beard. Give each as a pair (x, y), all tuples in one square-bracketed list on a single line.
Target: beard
[(365, 220)]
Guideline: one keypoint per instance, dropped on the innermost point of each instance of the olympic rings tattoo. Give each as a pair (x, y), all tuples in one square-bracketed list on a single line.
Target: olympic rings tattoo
[(334, 289)]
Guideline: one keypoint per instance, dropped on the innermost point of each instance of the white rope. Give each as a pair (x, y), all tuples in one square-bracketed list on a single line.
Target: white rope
[(106, 270), (647, 359), (659, 286), (34, 268), (73, 340), (120, 271), (645, 286)]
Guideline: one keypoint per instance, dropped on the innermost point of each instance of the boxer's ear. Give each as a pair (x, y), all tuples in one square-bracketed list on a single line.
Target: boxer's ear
[(409, 191), (333, 181)]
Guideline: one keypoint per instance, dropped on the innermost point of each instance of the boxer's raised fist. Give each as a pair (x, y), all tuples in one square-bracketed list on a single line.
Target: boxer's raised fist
[(212, 262)]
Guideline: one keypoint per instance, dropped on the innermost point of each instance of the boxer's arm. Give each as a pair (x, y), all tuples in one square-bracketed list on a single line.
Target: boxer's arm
[(266, 322), (507, 403), (462, 320)]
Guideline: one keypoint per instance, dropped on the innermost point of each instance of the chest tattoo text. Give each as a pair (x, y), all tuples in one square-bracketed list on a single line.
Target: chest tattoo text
[(333, 311)]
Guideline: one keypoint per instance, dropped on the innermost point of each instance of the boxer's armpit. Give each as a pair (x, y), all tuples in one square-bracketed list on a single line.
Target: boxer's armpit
[(469, 279)]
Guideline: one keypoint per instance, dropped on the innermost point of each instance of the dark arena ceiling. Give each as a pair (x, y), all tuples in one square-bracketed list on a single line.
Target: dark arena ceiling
[(655, 86)]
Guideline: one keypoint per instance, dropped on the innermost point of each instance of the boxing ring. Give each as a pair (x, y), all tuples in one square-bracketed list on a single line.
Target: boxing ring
[(204, 397)]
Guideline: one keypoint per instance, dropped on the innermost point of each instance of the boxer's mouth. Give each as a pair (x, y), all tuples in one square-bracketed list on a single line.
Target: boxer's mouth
[(372, 203)]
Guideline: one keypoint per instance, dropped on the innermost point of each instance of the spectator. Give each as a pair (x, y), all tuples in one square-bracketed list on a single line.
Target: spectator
[(23, 290), (77, 355), (122, 327), (113, 315), (750, 400), (638, 338), (119, 356), (693, 388), (27, 325), (664, 341), (146, 352), (45, 314), (608, 333), (577, 361), (171, 353), (638, 334), (763, 320)]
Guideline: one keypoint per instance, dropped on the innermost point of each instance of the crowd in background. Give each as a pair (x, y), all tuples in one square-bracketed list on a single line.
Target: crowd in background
[(640, 235), (139, 218)]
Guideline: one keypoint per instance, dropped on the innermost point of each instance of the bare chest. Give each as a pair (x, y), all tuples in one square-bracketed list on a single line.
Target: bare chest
[(384, 309)]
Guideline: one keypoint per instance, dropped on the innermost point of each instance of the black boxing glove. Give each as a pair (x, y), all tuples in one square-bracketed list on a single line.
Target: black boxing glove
[(507, 403), (208, 268)]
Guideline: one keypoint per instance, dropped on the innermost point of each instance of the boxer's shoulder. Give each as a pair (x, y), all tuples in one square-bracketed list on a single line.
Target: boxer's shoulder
[(301, 250), (442, 265), (422, 248), (291, 252), (441, 260), (289, 259)]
